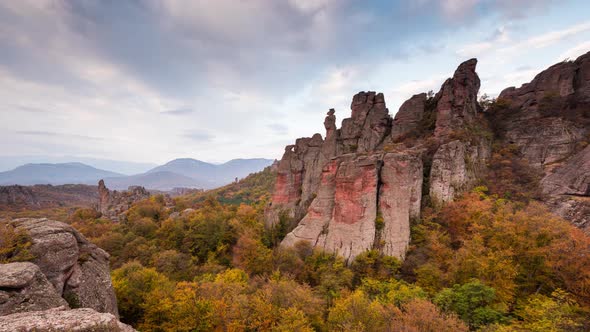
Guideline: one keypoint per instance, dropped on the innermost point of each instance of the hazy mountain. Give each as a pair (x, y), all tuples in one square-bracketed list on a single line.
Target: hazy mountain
[(186, 166), (185, 172), (65, 173), (209, 175), (160, 180), (124, 167)]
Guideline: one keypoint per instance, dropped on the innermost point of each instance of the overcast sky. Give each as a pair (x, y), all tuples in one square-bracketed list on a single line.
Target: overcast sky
[(151, 81)]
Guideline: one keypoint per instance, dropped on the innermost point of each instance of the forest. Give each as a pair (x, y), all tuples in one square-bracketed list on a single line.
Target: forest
[(486, 262)]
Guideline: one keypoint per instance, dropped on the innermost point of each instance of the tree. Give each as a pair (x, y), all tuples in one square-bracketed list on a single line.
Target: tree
[(14, 245), (472, 302), (133, 285)]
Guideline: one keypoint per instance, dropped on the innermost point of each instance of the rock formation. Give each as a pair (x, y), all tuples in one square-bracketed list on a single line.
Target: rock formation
[(77, 269), (43, 196), (24, 288), (65, 287), (357, 190), (112, 204), (548, 120), (60, 319)]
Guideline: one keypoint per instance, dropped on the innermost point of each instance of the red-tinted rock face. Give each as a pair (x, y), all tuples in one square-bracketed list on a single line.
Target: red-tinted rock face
[(366, 173), (338, 188)]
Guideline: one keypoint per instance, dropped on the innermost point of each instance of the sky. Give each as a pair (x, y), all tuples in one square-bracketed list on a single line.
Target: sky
[(150, 81)]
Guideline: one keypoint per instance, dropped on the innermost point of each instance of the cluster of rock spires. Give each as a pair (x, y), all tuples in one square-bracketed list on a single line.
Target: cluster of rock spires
[(359, 187), (113, 204), (65, 287)]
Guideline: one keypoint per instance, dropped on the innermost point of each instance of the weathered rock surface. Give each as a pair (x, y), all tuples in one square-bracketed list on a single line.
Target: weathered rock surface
[(457, 104), (78, 269), (368, 125), (113, 204), (24, 288), (548, 120), (43, 196), (456, 166), (59, 319), (350, 194), (409, 116), (359, 187)]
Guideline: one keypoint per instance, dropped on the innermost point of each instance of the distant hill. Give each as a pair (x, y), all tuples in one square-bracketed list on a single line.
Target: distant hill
[(124, 167), (56, 174), (178, 173), (207, 175), (159, 180)]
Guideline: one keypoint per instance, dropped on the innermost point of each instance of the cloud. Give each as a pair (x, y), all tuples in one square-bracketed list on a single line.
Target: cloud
[(198, 136), (278, 128), (575, 51), (502, 44), (178, 111), (499, 36), (147, 72), (48, 134)]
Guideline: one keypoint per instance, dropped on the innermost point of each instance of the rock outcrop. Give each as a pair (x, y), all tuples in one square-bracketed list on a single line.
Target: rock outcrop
[(358, 190), (408, 118), (44, 196), (548, 120), (113, 204), (23, 287), (457, 105), (77, 269), (60, 319)]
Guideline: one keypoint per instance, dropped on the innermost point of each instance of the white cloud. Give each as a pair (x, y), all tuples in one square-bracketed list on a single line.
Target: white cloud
[(575, 51), (454, 8)]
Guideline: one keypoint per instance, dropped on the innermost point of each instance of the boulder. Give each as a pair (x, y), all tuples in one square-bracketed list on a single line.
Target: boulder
[(60, 319), (77, 269), (23, 287)]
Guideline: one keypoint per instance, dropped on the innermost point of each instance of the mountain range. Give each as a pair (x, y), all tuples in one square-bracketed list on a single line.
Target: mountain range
[(8, 163), (185, 172)]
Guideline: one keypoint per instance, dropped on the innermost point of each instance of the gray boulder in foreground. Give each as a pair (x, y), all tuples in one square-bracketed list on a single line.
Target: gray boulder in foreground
[(61, 319)]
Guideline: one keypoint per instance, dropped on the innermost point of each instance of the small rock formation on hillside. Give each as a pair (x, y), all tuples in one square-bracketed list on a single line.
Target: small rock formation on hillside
[(359, 187), (77, 269), (61, 319), (18, 196), (43, 196), (548, 120), (112, 204)]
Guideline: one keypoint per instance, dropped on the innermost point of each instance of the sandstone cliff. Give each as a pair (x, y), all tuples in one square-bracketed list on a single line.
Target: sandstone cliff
[(548, 120), (359, 187)]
